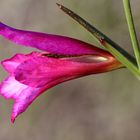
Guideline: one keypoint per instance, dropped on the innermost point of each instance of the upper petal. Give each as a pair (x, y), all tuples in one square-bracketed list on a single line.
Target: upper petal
[(12, 63), (47, 42)]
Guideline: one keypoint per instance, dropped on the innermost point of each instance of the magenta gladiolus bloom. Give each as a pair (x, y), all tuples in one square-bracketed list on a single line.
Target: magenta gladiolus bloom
[(62, 59)]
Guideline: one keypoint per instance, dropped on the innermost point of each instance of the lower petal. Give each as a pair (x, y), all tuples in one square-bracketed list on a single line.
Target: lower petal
[(22, 94)]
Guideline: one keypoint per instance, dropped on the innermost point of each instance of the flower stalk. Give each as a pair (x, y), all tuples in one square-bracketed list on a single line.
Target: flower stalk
[(132, 31), (125, 61)]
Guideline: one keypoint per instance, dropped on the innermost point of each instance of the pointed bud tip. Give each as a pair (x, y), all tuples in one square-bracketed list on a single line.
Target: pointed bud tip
[(59, 5), (13, 119)]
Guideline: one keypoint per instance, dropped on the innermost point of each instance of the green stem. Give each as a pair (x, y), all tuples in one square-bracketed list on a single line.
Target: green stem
[(130, 22), (121, 57)]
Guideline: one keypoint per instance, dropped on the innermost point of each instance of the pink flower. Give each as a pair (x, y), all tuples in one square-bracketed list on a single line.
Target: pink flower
[(63, 59)]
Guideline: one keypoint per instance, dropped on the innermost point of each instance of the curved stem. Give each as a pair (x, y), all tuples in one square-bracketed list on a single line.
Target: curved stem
[(130, 22)]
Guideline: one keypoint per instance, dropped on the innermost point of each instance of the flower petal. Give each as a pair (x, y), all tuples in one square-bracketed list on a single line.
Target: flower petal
[(32, 74), (11, 64), (47, 42), (22, 94), (42, 70)]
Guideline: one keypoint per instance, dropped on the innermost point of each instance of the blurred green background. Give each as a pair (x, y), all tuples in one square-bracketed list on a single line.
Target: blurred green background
[(97, 107)]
